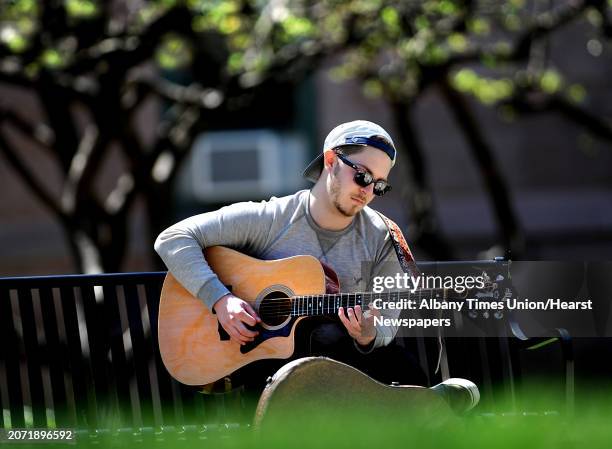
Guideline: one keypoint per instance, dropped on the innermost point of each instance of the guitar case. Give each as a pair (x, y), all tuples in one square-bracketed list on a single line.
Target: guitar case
[(312, 386)]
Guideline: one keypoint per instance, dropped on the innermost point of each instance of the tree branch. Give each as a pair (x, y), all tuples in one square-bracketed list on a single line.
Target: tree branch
[(424, 223), (121, 196), (123, 53), (80, 168), (538, 102), (39, 133), (511, 234), (192, 95), (543, 24), (597, 126), (11, 72), (28, 177)]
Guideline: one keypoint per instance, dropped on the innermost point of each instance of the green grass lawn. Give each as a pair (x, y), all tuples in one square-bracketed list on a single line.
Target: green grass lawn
[(542, 423), (364, 429)]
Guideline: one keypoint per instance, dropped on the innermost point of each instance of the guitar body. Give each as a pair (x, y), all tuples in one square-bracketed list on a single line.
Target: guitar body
[(197, 351)]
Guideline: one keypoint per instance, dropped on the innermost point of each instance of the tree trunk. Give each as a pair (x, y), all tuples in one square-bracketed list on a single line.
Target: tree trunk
[(512, 236), (424, 229)]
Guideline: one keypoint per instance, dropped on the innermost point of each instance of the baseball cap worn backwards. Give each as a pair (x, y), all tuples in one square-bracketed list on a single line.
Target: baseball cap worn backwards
[(357, 132)]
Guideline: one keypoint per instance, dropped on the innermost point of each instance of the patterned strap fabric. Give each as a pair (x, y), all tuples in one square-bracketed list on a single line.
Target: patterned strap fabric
[(404, 255), (406, 260)]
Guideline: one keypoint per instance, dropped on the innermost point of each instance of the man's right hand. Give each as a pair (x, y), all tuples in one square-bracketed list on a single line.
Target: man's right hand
[(233, 313)]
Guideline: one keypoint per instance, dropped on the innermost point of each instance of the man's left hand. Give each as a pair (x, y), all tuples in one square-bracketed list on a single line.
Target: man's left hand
[(360, 325)]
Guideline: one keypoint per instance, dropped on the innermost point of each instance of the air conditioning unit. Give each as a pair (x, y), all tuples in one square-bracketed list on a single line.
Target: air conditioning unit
[(229, 166)]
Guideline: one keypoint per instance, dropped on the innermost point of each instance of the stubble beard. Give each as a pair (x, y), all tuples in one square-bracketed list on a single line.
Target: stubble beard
[(335, 195)]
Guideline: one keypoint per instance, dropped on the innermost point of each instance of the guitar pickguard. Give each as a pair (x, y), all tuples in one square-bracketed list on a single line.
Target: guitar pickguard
[(265, 334)]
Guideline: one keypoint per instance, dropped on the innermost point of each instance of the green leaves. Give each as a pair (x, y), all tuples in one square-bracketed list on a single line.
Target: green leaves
[(576, 93), (372, 88), (16, 9), (391, 20), (174, 52), (52, 59), (389, 45), (81, 8), (465, 80), (297, 28), (457, 42), (551, 81), (222, 16), (13, 39), (594, 17), (17, 23), (487, 90)]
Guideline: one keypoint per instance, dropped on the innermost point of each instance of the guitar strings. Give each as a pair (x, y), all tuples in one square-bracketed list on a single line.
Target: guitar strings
[(289, 302), (310, 305), (290, 305), (287, 306), (330, 298)]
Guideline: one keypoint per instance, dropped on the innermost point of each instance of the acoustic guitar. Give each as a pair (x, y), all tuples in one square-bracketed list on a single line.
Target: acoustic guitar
[(196, 350)]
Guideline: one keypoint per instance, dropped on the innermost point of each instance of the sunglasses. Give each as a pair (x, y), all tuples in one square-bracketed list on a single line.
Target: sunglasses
[(363, 178)]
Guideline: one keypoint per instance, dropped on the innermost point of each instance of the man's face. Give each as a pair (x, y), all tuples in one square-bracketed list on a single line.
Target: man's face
[(348, 197)]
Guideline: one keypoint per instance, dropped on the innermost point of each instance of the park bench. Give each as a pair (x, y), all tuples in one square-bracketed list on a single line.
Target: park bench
[(80, 352)]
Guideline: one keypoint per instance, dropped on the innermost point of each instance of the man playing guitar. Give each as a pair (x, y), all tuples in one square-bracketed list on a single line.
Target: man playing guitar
[(331, 222)]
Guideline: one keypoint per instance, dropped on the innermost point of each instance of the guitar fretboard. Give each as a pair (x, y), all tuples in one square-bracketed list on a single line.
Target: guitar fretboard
[(328, 304)]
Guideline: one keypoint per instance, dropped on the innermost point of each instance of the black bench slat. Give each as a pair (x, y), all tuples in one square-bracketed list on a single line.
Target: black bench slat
[(140, 353), (150, 348), (99, 347), (34, 356), (57, 361), (194, 406), (12, 396), (65, 356), (118, 357), (78, 342), (46, 356), (129, 363)]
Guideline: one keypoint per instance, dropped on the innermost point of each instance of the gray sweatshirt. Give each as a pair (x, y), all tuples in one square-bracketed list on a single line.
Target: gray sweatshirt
[(279, 228)]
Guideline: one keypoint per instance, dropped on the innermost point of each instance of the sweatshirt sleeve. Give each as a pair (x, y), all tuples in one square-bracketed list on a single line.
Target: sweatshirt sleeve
[(241, 225)]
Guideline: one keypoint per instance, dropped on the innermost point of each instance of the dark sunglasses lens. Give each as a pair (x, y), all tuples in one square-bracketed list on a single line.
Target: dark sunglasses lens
[(380, 188), (363, 179)]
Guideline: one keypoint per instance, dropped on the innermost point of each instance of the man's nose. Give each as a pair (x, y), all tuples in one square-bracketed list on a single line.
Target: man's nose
[(368, 190)]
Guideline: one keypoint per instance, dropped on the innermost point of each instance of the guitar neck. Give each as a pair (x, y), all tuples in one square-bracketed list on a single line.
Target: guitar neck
[(328, 304)]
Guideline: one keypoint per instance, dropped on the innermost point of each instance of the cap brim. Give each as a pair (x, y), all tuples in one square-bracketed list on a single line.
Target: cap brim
[(313, 171)]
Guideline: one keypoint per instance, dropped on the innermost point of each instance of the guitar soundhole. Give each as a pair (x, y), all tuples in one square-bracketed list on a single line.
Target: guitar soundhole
[(275, 308)]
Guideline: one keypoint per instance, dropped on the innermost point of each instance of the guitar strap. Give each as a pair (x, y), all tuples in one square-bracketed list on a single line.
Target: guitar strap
[(406, 261), (404, 255)]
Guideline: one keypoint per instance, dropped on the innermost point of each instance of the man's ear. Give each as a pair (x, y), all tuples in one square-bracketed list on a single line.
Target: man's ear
[(329, 157)]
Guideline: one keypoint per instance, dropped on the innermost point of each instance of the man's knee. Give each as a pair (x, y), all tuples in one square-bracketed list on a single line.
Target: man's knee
[(327, 338)]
